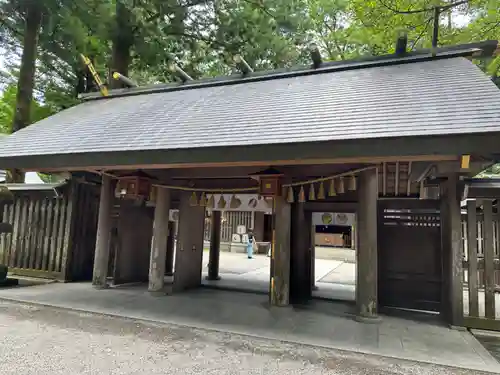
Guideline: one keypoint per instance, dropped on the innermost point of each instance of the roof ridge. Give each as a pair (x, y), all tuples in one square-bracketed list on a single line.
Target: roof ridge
[(485, 47)]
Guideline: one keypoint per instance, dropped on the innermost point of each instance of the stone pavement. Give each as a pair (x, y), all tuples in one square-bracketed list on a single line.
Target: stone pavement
[(48, 341), (321, 324), (334, 279)]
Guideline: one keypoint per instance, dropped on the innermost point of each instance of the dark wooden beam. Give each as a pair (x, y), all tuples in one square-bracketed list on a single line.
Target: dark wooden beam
[(367, 254), (160, 241), (425, 148), (213, 263), (280, 277), (103, 234)]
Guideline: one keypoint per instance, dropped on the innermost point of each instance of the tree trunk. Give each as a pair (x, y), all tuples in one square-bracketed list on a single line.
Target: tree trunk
[(26, 78), (122, 43)]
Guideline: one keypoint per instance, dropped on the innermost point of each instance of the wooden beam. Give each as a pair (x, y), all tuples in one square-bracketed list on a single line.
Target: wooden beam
[(489, 254), (367, 257), (189, 252), (160, 239), (103, 234), (472, 256), (275, 163), (280, 277), (451, 230), (214, 254)]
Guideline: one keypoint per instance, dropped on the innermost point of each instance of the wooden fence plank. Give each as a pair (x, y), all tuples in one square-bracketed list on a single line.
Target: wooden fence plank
[(68, 230), (35, 225), (41, 234), (4, 238), (22, 234), (28, 228), (11, 236), (472, 255), (48, 233), (489, 271), (61, 233), (15, 233), (53, 235)]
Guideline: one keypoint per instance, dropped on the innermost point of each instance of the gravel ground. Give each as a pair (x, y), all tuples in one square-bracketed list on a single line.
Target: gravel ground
[(40, 340)]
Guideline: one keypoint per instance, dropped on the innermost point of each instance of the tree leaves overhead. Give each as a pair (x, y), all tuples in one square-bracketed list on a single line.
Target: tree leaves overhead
[(202, 36)]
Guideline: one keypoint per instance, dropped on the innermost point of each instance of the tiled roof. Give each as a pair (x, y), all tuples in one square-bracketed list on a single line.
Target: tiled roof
[(433, 97)]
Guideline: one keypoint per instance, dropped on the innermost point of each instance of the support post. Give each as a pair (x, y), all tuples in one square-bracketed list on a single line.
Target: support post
[(169, 261), (103, 236), (280, 276), (189, 250), (451, 234), (367, 277), (300, 253), (312, 253), (160, 239), (213, 262)]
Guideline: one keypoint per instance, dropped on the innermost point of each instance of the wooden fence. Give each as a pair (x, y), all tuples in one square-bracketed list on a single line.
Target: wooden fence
[(230, 221), (480, 246), (481, 267), (53, 234)]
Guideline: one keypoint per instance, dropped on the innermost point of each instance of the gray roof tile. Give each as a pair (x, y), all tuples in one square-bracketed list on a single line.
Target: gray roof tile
[(448, 96)]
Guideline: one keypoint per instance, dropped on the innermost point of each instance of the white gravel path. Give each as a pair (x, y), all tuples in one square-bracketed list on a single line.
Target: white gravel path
[(40, 340)]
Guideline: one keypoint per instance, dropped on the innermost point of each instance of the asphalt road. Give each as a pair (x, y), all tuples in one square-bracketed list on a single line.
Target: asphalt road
[(39, 340)]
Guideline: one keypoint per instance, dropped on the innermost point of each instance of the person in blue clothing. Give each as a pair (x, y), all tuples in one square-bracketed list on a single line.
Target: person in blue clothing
[(251, 239)]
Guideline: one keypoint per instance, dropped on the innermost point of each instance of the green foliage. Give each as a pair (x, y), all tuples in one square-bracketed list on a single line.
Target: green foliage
[(8, 107)]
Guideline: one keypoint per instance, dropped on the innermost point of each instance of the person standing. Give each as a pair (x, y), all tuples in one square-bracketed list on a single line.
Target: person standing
[(251, 239)]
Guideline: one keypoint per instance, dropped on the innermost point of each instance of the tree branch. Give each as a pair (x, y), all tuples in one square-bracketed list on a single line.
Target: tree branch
[(421, 34), (423, 10)]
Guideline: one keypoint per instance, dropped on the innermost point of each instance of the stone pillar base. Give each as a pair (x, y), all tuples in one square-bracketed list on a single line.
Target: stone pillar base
[(100, 286), (157, 293), (373, 319), (212, 278)]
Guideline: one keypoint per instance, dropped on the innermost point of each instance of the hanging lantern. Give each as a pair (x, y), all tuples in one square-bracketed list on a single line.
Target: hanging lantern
[(234, 202), (203, 200), (352, 183), (135, 186), (302, 195), (331, 189), (193, 201), (290, 197), (321, 191), (312, 193), (211, 202), (222, 202), (269, 182), (341, 186)]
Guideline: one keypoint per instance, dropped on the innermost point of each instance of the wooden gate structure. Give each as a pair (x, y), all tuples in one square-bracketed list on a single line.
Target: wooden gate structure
[(409, 254), (182, 135)]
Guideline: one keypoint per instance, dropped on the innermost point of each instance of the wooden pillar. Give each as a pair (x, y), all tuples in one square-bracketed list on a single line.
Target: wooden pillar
[(103, 236), (366, 280), (451, 241), (189, 250), (312, 252), (300, 256), (280, 272), (169, 261), (132, 255), (158, 255), (258, 225), (213, 262)]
